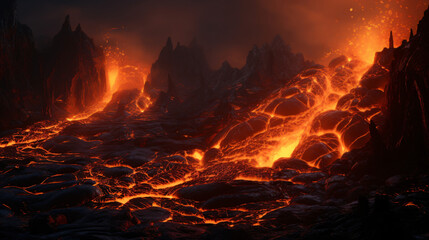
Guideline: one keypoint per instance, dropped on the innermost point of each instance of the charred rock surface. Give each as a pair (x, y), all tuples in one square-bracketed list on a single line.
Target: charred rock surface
[(407, 136), (36, 85), (183, 65), (75, 70), (210, 94), (266, 69), (21, 84)]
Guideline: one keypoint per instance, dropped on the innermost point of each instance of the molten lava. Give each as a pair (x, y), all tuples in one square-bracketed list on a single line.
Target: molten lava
[(120, 76), (136, 157), (310, 118), (288, 119)]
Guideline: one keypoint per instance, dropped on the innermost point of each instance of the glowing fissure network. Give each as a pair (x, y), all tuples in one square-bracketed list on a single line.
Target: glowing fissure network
[(305, 120), (278, 148), (316, 117), (194, 156)]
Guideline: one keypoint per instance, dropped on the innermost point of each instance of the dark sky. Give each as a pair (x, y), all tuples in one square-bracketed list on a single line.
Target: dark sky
[(227, 29)]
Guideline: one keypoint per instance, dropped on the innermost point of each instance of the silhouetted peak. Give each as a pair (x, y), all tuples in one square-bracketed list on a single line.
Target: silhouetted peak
[(167, 50), (78, 28), (391, 45), (411, 34), (278, 42), (80, 33), (254, 51), (66, 25), (226, 65), (423, 27), (169, 44)]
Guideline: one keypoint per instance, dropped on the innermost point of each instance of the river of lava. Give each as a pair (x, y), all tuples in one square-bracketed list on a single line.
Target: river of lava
[(288, 124), (310, 118)]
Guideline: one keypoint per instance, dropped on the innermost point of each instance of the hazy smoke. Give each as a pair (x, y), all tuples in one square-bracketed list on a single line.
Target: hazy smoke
[(226, 28)]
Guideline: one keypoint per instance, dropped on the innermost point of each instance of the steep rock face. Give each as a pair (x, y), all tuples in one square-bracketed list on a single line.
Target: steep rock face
[(267, 68), (185, 65), (75, 70), (199, 88), (21, 84), (408, 99), (224, 77), (222, 97), (272, 64)]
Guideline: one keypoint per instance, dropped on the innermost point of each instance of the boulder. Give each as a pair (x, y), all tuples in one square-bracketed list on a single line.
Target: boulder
[(291, 163), (290, 107), (117, 172), (309, 177)]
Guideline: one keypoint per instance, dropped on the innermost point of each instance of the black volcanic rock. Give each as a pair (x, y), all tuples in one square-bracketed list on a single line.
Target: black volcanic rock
[(273, 64), (267, 68), (199, 89), (21, 84), (407, 110), (224, 77), (185, 65), (70, 76), (75, 70)]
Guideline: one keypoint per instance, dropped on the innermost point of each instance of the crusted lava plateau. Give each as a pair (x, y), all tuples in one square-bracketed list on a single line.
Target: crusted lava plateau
[(282, 148)]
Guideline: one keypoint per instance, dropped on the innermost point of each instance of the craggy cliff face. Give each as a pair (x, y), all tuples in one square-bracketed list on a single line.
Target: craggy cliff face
[(57, 82), (21, 85), (76, 75)]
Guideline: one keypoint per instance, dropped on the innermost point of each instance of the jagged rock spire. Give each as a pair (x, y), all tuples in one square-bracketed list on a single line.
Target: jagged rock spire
[(226, 64), (169, 44), (391, 45), (66, 24), (278, 41), (78, 28), (411, 34)]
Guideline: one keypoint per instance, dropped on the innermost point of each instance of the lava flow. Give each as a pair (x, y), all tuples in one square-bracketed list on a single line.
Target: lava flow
[(312, 118), (280, 147), (293, 121)]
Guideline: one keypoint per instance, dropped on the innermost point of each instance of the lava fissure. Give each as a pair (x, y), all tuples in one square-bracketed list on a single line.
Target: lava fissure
[(282, 147)]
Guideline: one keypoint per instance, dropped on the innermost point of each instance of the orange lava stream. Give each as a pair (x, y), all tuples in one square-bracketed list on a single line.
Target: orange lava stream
[(287, 145), (271, 143), (264, 146), (117, 73)]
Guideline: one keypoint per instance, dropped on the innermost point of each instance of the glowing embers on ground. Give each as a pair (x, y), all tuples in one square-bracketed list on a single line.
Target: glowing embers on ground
[(28, 141), (310, 119)]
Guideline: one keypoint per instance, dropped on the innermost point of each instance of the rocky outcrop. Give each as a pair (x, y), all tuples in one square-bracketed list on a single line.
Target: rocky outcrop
[(69, 76), (273, 64), (198, 88), (185, 65), (267, 68), (407, 135), (75, 70), (20, 76)]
